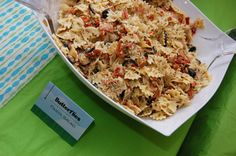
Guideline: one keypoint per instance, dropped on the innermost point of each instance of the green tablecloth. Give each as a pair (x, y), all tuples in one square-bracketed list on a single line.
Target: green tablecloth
[(23, 133), (213, 132)]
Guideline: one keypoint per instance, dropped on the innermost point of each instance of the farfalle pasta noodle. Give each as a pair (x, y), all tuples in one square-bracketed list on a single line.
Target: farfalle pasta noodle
[(137, 53)]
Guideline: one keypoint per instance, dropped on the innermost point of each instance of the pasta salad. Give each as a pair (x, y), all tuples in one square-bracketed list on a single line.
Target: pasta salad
[(139, 54)]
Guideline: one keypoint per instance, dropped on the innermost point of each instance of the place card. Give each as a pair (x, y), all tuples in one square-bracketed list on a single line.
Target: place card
[(62, 114)]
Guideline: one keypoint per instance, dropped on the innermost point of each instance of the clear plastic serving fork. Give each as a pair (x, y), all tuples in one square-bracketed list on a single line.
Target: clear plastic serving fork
[(33, 5), (225, 49)]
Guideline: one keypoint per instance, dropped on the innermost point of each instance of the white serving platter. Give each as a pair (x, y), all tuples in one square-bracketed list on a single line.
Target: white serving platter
[(206, 50)]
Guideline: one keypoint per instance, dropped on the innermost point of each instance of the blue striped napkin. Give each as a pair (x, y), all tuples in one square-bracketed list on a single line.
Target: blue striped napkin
[(24, 48)]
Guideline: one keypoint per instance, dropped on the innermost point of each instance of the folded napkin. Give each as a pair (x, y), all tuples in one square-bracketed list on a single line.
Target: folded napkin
[(24, 48)]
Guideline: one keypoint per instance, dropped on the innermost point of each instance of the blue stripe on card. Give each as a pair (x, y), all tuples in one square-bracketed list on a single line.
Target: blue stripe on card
[(10, 51), (29, 71), (43, 47), (26, 50), (17, 35), (9, 10), (7, 1), (15, 16)]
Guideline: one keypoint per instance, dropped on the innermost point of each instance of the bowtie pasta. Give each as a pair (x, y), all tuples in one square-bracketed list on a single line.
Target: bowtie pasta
[(137, 53)]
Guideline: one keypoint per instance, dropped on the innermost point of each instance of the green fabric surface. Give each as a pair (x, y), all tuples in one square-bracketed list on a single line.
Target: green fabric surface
[(213, 132), (23, 133), (53, 125)]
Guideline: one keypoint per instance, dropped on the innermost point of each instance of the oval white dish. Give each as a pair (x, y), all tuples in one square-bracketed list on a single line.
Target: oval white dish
[(207, 49)]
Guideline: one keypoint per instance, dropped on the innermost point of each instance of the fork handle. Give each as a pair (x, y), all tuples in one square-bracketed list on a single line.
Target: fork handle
[(33, 6), (229, 49)]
